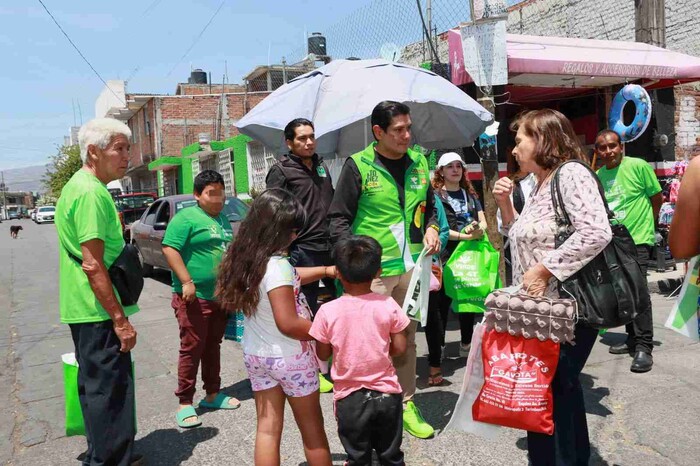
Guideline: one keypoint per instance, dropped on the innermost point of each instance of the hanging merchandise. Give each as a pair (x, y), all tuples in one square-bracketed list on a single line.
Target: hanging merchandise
[(637, 95), (518, 376), (471, 273)]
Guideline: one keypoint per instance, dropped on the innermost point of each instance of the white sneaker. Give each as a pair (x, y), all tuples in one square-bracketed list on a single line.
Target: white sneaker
[(464, 350)]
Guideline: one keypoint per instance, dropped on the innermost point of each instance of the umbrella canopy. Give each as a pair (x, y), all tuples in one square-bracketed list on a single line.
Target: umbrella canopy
[(339, 97)]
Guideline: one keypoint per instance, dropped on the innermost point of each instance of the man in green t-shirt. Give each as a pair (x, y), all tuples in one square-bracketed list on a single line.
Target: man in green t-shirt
[(634, 194), (89, 230), (194, 243)]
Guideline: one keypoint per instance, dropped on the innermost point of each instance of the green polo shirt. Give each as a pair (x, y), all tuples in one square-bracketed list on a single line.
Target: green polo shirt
[(85, 211), (201, 241), (628, 188)]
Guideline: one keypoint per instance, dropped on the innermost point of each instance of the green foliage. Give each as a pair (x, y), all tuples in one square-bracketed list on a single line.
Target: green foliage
[(62, 166)]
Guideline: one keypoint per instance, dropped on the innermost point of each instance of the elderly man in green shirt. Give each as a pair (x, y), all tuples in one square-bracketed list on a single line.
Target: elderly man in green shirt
[(634, 194), (90, 235)]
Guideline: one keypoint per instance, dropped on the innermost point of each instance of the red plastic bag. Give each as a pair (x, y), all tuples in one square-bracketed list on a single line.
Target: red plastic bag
[(517, 390)]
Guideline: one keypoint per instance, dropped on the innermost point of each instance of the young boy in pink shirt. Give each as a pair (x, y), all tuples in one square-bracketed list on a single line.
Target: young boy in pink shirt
[(363, 330)]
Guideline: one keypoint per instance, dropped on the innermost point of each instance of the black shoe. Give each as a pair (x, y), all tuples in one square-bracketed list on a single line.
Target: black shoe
[(620, 348), (642, 362)]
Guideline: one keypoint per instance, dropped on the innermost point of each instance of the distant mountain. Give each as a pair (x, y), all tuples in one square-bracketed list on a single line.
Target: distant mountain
[(25, 179)]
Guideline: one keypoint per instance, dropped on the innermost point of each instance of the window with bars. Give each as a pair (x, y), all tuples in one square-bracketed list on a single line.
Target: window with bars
[(260, 159)]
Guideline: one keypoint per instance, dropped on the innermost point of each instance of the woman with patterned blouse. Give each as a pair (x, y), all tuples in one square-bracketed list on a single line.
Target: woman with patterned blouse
[(545, 139)]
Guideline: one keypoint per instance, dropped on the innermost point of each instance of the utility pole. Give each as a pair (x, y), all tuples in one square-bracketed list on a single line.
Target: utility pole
[(650, 22), (429, 19), (489, 155), (4, 195)]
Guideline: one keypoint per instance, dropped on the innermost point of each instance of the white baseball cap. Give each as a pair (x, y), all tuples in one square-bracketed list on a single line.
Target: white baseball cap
[(449, 157)]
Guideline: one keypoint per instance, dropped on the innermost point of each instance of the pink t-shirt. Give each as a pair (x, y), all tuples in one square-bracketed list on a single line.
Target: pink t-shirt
[(359, 329)]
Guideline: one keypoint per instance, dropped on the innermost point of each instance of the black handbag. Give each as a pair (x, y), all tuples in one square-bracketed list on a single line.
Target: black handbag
[(125, 273), (611, 289)]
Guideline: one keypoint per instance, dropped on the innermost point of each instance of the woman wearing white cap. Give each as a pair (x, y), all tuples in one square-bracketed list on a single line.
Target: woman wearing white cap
[(467, 222)]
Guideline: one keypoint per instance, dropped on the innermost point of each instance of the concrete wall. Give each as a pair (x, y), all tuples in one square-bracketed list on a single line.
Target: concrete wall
[(586, 19), (683, 26)]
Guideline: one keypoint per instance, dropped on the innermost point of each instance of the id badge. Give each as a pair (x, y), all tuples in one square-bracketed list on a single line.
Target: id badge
[(321, 171)]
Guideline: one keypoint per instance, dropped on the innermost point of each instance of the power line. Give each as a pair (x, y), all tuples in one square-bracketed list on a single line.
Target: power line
[(80, 53), (150, 7), (197, 38)]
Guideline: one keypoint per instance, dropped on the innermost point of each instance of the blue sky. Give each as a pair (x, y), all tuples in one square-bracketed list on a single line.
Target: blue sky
[(141, 39)]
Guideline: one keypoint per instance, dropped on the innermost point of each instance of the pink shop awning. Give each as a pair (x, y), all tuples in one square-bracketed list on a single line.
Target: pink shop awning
[(540, 61)]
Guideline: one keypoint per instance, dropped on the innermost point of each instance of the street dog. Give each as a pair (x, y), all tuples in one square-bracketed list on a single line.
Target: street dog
[(14, 231)]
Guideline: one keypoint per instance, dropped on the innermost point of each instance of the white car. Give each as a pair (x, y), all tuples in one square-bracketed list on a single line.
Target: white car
[(45, 214)]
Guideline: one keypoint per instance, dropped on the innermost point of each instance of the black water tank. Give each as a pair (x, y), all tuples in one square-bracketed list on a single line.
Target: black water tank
[(197, 76), (317, 44)]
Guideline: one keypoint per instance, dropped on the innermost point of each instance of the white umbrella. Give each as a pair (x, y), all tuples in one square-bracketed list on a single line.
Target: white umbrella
[(339, 97)]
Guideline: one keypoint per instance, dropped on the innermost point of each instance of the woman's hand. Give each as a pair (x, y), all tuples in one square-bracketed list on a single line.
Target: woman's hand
[(536, 280), (502, 190)]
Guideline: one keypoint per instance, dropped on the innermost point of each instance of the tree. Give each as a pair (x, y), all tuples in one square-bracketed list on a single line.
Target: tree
[(62, 166)]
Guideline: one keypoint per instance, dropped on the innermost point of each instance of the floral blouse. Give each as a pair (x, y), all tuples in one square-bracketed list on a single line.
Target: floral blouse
[(532, 232)]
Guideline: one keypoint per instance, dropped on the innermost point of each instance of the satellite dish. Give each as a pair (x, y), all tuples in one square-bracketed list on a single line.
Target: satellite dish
[(390, 52)]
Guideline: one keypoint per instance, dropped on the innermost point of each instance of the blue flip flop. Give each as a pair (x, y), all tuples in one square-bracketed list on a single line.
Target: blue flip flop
[(220, 402), (183, 414)]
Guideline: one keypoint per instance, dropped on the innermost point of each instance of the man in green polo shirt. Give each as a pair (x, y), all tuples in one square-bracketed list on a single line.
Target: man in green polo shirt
[(89, 229), (193, 245), (634, 194), (385, 192)]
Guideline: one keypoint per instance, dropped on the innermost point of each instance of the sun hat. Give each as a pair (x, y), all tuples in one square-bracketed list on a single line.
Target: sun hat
[(449, 157)]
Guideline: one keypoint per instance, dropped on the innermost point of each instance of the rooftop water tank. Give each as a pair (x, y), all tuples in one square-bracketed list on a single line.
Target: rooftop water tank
[(197, 76), (317, 44)]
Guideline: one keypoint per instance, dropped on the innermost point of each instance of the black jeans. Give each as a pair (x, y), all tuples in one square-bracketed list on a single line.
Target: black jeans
[(640, 332), (370, 420), (438, 313), (569, 446), (300, 257), (106, 391)]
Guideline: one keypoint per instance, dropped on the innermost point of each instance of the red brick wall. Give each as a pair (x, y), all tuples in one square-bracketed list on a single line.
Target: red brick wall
[(687, 121), (142, 144), (184, 117)]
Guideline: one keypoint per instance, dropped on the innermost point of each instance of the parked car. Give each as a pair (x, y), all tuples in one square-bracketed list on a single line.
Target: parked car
[(131, 207), (32, 214), (45, 214), (14, 215), (147, 233)]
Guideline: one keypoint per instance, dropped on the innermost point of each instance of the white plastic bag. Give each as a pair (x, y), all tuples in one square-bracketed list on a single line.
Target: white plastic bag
[(415, 304), (462, 419), (685, 315)]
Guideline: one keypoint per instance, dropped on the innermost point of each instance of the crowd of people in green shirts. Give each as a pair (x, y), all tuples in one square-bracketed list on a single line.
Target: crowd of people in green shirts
[(364, 234)]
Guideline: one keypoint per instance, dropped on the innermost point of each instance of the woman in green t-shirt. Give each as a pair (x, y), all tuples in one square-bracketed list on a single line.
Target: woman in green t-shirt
[(194, 243)]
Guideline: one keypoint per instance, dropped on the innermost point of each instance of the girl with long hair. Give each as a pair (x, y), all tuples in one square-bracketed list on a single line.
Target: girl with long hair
[(467, 222), (257, 278)]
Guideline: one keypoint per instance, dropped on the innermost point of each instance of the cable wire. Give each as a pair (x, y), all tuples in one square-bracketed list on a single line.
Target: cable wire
[(197, 38), (81, 53)]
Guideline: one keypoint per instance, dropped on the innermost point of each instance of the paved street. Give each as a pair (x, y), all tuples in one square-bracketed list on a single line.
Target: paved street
[(648, 419)]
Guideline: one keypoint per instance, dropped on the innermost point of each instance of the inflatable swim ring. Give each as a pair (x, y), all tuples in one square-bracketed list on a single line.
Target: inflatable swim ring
[(638, 95)]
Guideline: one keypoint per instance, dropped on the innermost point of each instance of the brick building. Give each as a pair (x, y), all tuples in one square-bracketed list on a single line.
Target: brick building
[(162, 125)]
